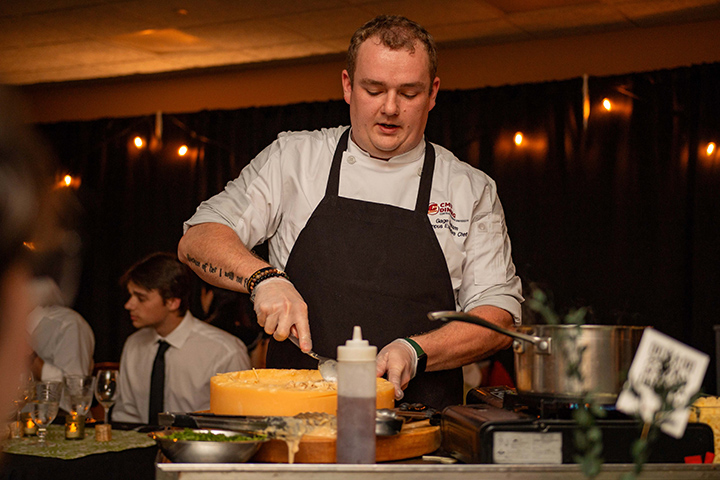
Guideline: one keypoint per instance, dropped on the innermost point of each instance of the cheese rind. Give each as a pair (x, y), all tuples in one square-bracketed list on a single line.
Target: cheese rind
[(281, 392)]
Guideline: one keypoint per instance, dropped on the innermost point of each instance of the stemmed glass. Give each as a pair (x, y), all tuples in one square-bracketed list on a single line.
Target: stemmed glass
[(79, 390), (44, 406), (23, 393), (106, 390)]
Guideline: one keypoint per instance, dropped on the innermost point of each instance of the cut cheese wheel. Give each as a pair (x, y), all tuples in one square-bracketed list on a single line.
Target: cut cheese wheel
[(281, 392)]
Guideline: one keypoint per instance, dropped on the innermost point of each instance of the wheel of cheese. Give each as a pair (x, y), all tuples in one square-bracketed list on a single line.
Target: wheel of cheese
[(281, 392)]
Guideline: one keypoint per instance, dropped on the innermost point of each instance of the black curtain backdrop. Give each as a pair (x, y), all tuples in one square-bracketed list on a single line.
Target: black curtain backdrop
[(619, 213)]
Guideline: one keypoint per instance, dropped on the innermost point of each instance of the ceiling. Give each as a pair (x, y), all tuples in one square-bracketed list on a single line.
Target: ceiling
[(45, 41)]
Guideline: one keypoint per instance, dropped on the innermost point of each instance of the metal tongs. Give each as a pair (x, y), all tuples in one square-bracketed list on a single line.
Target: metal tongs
[(387, 422), (224, 422)]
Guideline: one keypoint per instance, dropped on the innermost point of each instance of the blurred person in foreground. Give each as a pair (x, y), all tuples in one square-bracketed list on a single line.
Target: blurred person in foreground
[(26, 224), (160, 287), (370, 225)]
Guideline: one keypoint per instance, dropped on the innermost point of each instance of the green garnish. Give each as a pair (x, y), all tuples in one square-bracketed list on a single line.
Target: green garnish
[(191, 435)]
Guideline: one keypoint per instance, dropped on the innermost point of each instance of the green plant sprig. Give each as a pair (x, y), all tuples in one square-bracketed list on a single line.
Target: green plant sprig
[(588, 436)]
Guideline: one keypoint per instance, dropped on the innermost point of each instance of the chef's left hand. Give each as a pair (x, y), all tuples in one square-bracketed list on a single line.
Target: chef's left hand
[(399, 359)]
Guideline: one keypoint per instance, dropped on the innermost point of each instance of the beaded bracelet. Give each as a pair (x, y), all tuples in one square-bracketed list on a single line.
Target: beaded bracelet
[(252, 279), (261, 275)]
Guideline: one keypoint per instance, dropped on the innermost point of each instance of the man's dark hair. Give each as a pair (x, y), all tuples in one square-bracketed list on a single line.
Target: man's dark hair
[(395, 32), (163, 272)]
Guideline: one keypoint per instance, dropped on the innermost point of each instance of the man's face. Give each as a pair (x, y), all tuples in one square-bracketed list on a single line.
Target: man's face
[(147, 308), (389, 98)]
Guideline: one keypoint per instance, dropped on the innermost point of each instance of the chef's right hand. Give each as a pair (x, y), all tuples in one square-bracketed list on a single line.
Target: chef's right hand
[(279, 307)]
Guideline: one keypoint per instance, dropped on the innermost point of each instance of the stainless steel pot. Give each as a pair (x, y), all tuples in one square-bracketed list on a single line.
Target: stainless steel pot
[(541, 366)]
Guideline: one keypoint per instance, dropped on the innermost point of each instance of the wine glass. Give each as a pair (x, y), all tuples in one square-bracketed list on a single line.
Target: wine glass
[(23, 393), (106, 390), (44, 406), (79, 391)]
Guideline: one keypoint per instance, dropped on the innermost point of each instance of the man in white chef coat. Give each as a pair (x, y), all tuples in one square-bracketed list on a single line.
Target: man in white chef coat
[(370, 225), (189, 351)]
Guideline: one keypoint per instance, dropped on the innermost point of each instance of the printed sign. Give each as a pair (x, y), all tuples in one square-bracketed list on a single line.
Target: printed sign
[(663, 363)]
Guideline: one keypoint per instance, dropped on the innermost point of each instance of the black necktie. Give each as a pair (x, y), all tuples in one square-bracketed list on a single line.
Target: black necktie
[(157, 383)]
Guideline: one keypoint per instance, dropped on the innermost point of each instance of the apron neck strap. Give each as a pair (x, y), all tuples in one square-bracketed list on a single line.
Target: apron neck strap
[(334, 179), (423, 199)]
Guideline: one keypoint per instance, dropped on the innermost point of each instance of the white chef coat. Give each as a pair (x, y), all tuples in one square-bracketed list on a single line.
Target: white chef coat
[(276, 193), (197, 352)]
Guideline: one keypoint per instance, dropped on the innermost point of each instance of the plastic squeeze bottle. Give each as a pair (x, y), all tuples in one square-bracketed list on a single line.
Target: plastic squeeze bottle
[(357, 392)]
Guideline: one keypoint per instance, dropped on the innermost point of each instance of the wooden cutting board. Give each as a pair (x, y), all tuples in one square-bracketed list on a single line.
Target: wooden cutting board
[(415, 439)]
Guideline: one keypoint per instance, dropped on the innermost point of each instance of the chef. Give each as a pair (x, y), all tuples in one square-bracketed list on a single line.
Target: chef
[(368, 225)]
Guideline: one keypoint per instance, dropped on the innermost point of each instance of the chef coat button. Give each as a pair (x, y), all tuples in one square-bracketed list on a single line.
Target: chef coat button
[(351, 160), (481, 227), (420, 172)]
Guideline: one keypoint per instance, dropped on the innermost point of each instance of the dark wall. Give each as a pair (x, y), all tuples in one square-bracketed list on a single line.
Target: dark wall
[(619, 215)]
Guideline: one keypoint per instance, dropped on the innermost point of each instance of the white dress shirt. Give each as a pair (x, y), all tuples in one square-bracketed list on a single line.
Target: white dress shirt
[(197, 352), (62, 338), (276, 193)]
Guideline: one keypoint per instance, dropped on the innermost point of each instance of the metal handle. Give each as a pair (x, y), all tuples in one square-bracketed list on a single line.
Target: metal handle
[(542, 344), (295, 340)]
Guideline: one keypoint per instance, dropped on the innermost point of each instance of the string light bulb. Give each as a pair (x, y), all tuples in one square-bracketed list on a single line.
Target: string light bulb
[(710, 148), (67, 181), (518, 139), (183, 150), (139, 142), (607, 104)]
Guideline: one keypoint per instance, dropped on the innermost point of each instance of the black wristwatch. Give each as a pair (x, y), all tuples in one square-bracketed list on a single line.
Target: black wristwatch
[(421, 356)]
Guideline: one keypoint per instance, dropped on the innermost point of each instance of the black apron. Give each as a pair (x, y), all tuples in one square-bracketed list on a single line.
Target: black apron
[(374, 265)]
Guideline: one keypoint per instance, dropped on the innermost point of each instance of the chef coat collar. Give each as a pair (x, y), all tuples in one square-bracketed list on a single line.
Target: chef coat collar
[(417, 153), (182, 332)]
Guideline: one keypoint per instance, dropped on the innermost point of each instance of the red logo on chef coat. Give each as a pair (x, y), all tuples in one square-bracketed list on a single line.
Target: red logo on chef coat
[(444, 207)]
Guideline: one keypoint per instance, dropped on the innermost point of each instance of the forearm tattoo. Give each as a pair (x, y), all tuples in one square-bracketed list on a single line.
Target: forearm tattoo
[(211, 269)]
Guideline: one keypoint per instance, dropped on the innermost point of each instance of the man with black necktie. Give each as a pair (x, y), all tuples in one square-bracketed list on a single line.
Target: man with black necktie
[(167, 364)]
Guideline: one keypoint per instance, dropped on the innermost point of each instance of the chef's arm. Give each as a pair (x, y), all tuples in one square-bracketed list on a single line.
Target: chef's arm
[(461, 343), (453, 345), (218, 256)]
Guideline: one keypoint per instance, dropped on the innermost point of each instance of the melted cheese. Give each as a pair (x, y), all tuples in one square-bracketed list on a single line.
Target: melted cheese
[(281, 392)]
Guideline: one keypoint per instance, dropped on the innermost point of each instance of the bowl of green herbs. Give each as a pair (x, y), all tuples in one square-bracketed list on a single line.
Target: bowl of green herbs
[(208, 445)]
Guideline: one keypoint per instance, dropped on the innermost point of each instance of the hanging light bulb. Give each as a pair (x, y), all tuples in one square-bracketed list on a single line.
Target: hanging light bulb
[(518, 138), (710, 148), (139, 142), (182, 151), (67, 180), (607, 104), (586, 101)]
